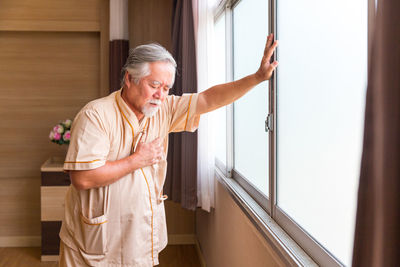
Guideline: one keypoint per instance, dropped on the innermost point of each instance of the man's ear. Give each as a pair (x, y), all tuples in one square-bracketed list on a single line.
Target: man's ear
[(127, 79)]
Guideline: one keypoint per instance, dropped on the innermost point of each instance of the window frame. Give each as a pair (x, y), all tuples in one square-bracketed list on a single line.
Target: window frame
[(219, 11), (231, 178)]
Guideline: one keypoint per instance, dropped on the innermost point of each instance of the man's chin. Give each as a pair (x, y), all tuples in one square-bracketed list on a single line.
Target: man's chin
[(150, 112)]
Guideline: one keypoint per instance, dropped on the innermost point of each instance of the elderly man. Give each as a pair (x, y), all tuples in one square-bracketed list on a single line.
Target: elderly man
[(114, 212)]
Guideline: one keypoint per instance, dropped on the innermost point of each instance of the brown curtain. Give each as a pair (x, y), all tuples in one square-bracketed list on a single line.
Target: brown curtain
[(181, 181), (377, 234), (119, 50)]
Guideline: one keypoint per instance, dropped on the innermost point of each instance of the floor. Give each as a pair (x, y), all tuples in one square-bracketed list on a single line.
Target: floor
[(171, 256)]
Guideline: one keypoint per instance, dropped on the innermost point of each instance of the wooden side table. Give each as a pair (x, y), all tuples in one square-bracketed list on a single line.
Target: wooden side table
[(53, 187)]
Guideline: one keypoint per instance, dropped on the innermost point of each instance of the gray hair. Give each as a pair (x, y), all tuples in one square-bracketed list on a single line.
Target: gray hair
[(137, 63)]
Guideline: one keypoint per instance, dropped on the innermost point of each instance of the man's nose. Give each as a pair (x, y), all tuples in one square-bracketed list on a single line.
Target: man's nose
[(160, 94), (157, 94)]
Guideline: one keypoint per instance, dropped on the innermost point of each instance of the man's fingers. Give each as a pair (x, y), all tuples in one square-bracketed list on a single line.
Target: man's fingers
[(270, 38), (157, 142), (157, 151), (156, 159), (271, 68), (271, 50), (160, 154)]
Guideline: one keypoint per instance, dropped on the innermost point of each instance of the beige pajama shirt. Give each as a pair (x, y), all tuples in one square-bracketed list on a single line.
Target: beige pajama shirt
[(121, 224)]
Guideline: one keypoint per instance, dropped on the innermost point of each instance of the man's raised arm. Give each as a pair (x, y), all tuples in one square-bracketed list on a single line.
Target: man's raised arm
[(224, 94)]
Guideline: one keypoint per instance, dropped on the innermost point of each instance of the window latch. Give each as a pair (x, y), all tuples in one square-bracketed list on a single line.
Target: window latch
[(269, 123)]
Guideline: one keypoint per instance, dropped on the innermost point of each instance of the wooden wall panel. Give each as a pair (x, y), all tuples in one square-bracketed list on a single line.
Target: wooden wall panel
[(179, 220), (50, 15), (45, 77), (20, 206), (104, 47), (150, 21)]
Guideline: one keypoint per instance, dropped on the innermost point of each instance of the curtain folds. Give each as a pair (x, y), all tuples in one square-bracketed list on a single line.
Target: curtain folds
[(206, 143), (377, 234), (119, 50), (181, 180)]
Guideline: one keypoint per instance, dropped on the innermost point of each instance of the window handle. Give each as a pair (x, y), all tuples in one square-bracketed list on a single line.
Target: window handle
[(269, 123)]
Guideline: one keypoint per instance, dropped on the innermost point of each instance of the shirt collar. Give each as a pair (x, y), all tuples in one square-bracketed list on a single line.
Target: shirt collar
[(127, 112)]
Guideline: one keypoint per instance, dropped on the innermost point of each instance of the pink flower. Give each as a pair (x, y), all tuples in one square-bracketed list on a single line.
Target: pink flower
[(61, 134), (67, 135), (57, 136), (58, 128)]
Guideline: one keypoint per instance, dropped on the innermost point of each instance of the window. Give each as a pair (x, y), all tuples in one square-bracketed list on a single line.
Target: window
[(316, 98), (321, 85), (250, 29)]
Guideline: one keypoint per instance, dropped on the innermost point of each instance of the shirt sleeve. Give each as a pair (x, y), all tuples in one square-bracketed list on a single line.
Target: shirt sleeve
[(182, 113), (89, 145)]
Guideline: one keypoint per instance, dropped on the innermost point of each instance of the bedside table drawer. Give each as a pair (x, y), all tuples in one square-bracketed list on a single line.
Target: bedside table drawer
[(52, 202), (55, 179)]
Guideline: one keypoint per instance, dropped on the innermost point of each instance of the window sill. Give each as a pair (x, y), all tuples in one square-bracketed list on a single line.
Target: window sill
[(291, 253)]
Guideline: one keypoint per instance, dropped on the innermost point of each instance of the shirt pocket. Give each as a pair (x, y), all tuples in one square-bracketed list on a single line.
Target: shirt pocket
[(94, 238)]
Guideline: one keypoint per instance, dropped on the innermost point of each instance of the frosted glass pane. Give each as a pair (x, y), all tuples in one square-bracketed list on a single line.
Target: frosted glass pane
[(322, 78), (250, 30), (219, 76)]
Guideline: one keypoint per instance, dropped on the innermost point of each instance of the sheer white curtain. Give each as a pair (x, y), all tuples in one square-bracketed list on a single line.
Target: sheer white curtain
[(119, 20), (206, 145)]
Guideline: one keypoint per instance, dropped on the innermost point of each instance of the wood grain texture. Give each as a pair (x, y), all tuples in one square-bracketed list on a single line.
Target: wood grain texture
[(53, 164), (179, 255), (23, 257), (104, 88), (179, 221), (50, 15), (45, 77), (150, 21), (185, 239), (171, 256), (52, 202), (49, 258), (20, 241), (20, 206)]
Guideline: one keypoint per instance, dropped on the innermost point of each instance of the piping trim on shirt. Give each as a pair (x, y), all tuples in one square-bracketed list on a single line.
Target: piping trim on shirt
[(187, 115), (120, 110), (82, 161), (151, 207), (148, 187)]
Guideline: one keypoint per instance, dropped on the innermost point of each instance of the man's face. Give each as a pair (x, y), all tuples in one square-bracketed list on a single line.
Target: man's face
[(146, 97)]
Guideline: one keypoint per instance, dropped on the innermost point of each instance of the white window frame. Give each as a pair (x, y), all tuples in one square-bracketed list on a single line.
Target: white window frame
[(273, 223)]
